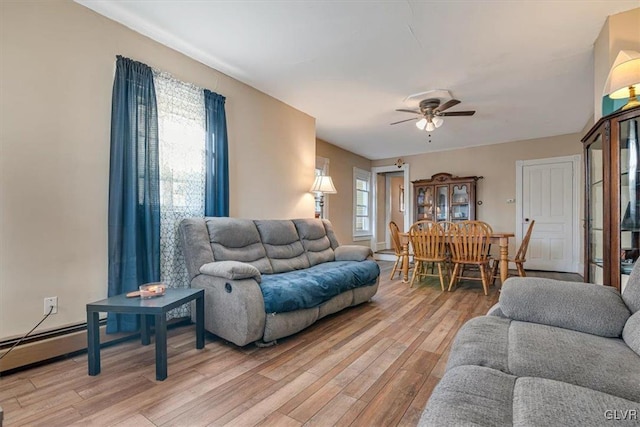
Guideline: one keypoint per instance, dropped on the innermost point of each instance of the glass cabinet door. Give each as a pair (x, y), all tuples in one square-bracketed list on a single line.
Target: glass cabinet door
[(425, 203), (442, 206), (460, 202), (629, 197), (595, 225)]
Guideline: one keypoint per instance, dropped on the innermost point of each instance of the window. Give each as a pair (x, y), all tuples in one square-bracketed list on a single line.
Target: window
[(361, 203), (181, 133)]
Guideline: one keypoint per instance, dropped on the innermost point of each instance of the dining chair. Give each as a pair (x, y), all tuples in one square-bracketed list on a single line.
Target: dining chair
[(428, 240), (397, 248), (446, 226), (519, 259), (469, 243)]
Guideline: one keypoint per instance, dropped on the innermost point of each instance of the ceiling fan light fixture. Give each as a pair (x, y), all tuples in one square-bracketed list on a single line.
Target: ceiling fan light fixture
[(432, 112)]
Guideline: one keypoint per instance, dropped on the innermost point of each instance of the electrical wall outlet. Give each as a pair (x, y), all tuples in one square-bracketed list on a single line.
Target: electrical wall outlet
[(49, 303), (511, 200)]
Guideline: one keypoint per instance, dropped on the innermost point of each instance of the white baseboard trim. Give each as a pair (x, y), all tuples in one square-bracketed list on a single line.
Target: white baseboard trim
[(381, 246), (39, 351), (48, 348)]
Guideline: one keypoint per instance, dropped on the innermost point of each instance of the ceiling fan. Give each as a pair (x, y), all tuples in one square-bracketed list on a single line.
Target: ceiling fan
[(431, 113)]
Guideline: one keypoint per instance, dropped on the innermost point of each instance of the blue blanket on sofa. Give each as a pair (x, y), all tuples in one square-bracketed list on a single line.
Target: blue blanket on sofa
[(310, 287)]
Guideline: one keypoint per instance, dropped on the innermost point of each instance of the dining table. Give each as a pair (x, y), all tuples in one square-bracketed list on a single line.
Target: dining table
[(499, 238)]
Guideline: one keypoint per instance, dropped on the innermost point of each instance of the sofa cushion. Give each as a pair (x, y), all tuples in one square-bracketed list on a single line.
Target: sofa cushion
[(531, 349), (482, 341), (631, 291), (542, 402), (471, 396), (196, 245), (310, 287), (479, 396), (333, 239), (631, 332), (604, 364), (583, 307), (236, 239), (282, 245), (315, 241)]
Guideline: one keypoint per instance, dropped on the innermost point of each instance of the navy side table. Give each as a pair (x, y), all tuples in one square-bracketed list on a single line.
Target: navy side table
[(158, 307)]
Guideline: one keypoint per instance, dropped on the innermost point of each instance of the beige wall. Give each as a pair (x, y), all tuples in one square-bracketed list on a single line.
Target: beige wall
[(620, 32), (56, 77), (497, 164), (341, 164)]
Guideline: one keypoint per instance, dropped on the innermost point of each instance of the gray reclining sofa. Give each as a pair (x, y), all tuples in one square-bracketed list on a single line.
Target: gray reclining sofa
[(551, 353), (267, 279)]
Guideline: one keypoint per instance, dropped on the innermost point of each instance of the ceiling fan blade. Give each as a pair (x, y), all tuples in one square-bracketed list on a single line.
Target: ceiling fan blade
[(402, 110), (450, 103), (457, 113), (402, 121)]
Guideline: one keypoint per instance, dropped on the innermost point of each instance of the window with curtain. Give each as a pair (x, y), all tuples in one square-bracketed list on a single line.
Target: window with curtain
[(181, 130), (168, 161)]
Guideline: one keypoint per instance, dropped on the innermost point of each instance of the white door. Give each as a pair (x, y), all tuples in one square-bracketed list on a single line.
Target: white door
[(548, 196)]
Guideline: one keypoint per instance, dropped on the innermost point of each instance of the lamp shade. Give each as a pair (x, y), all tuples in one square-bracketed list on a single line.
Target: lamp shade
[(323, 184), (624, 74)]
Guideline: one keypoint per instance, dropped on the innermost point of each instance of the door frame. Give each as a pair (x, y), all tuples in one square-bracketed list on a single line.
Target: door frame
[(408, 198), (576, 160)]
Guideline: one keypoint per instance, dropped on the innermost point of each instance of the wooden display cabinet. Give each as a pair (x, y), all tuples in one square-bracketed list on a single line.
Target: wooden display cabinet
[(445, 197), (612, 199)]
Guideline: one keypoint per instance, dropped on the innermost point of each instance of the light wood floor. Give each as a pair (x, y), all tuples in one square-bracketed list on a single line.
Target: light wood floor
[(371, 365)]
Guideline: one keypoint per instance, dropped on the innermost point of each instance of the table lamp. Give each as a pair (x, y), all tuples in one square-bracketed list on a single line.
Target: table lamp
[(321, 186), (624, 78)]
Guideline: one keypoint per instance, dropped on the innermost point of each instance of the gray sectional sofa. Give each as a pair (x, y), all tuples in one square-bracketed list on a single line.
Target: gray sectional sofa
[(551, 353), (267, 279)]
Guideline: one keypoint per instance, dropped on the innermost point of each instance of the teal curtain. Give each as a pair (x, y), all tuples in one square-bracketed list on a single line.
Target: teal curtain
[(216, 200), (134, 194)]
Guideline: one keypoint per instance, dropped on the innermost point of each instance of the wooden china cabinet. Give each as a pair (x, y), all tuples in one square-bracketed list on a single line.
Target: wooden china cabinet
[(445, 197), (612, 199)]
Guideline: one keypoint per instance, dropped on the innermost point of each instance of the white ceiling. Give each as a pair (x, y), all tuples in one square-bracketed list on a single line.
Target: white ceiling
[(526, 67)]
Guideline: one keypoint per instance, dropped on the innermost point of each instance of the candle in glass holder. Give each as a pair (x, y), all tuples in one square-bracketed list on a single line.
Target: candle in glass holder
[(151, 290)]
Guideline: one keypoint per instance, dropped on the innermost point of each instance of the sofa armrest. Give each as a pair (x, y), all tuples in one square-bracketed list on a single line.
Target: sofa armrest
[(352, 253), (232, 270), (583, 307), (234, 309)]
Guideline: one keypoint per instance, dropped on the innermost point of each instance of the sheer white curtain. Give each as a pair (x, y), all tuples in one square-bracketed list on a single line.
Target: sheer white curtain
[(181, 130)]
